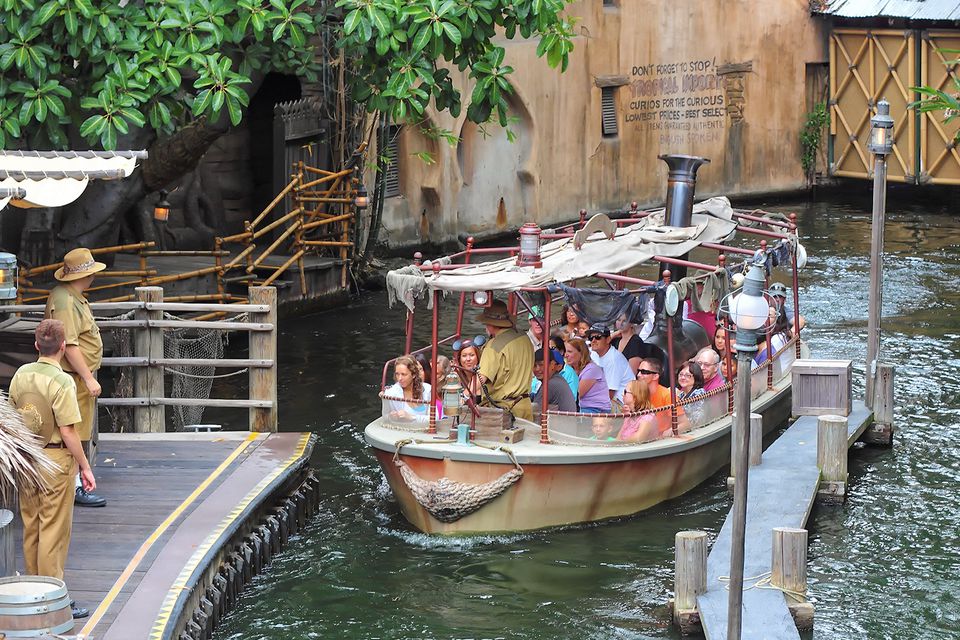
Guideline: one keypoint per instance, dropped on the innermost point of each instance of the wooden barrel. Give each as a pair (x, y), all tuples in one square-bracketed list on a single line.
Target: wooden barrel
[(33, 606)]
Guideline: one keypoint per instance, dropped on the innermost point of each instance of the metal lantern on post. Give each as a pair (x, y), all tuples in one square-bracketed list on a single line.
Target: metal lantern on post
[(8, 277), (881, 145), (529, 246), (161, 210), (362, 200), (749, 311), (451, 395)]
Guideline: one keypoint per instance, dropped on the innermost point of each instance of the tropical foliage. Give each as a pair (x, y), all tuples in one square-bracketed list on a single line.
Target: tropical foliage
[(938, 101)]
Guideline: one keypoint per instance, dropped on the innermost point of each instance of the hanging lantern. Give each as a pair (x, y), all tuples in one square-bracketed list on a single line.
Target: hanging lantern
[(451, 395), (881, 130), (8, 276), (529, 246), (362, 201), (161, 211)]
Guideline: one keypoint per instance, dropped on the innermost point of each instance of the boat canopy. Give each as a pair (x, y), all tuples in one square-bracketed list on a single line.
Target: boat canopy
[(631, 245)]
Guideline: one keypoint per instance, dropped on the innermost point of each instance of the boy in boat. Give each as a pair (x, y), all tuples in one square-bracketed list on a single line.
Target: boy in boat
[(506, 364), (46, 397)]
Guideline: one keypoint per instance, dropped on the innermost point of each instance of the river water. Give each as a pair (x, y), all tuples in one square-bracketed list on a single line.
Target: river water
[(883, 565)]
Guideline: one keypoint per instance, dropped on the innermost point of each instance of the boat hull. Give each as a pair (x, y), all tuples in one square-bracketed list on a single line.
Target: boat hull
[(550, 495)]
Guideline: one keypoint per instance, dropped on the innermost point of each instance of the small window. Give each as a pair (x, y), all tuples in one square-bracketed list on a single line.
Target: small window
[(391, 149), (608, 111), (610, 3)]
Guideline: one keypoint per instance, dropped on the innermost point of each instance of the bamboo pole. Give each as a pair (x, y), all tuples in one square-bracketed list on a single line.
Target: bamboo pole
[(176, 277), (216, 253), (276, 243), (97, 252), (273, 203), (326, 199), (320, 223), (276, 274), (326, 178), (263, 346), (239, 237), (298, 237), (240, 256), (276, 223), (326, 243), (127, 274)]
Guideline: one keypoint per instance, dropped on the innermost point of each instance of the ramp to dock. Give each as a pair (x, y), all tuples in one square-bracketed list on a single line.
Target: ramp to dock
[(781, 492), (173, 501)]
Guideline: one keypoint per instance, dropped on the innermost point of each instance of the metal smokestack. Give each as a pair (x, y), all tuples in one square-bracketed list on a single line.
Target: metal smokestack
[(681, 185)]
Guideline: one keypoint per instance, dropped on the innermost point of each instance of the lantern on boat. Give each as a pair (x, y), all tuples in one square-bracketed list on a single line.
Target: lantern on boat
[(749, 309), (482, 298), (161, 210), (362, 201), (8, 276), (881, 130), (451, 395), (529, 246)]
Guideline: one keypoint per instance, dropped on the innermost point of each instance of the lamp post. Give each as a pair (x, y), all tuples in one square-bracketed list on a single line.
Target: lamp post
[(749, 310), (880, 145)]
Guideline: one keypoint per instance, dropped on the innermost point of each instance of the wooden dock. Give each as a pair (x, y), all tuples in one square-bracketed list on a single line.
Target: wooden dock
[(781, 493), (182, 515)]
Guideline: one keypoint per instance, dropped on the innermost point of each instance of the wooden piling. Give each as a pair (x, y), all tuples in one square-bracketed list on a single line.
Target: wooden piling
[(832, 457), (789, 572), (756, 447), (881, 431), (690, 579), (8, 541), (148, 381), (263, 346)]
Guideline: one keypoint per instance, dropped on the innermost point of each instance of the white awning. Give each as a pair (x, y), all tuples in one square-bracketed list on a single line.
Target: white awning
[(57, 178)]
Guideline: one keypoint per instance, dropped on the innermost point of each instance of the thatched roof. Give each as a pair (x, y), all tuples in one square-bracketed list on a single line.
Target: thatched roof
[(22, 460)]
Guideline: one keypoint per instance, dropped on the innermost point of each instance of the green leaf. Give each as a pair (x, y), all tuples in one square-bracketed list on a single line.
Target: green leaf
[(422, 39), (452, 32), (233, 109)]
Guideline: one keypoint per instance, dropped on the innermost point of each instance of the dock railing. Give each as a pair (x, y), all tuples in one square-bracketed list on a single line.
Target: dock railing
[(151, 318)]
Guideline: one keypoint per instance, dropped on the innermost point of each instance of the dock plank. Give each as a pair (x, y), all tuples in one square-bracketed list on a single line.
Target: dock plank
[(781, 492)]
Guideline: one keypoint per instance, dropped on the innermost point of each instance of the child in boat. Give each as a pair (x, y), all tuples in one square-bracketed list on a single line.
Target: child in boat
[(602, 429), (638, 428), (409, 396)]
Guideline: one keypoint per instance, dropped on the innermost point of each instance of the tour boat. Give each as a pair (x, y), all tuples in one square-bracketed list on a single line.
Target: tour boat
[(553, 472)]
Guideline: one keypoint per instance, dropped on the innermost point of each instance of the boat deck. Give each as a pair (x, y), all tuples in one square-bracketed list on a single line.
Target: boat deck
[(173, 502), (780, 494)]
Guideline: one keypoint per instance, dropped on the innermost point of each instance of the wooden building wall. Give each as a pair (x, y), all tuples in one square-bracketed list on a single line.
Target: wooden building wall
[(724, 80)]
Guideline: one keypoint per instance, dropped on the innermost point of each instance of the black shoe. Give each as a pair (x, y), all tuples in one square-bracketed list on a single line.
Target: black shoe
[(78, 612), (84, 499)]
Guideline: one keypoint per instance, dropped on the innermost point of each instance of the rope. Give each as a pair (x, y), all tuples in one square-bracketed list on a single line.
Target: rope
[(762, 581), (448, 500), (190, 375)]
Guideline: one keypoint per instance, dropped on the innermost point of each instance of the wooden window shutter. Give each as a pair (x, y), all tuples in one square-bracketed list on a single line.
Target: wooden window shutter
[(608, 111), (392, 172)]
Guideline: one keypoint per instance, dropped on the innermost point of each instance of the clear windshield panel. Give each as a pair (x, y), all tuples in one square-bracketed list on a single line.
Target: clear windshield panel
[(705, 411), (758, 381), (784, 361), (606, 429), (411, 415)]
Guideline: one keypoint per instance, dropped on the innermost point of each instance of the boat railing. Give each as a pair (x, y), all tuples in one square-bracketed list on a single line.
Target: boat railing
[(409, 415)]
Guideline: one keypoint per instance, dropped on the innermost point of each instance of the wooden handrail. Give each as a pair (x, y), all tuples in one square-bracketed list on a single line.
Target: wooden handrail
[(186, 324), (186, 362), (185, 402)]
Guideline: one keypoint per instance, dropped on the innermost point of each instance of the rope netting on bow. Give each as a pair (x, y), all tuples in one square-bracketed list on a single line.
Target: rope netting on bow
[(448, 500)]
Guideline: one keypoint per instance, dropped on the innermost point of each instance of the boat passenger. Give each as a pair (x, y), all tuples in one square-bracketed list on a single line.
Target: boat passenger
[(571, 321), (778, 291), (660, 396), (558, 393), (616, 369), (424, 363), (583, 328), (720, 343), (690, 385), (632, 346), (732, 372), (709, 361), (706, 319), (567, 373), (593, 394), (780, 335), (443, 367), (409, 386), (535, 332), (602, 429), (467, 356), (506, 364), (638, 428)]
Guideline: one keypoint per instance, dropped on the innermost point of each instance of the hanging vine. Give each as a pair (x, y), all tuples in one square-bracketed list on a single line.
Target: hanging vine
[(811, 138)]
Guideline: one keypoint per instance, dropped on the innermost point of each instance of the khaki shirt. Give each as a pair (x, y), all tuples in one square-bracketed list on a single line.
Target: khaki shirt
[(507, 364), (69, 306), (44, 383)]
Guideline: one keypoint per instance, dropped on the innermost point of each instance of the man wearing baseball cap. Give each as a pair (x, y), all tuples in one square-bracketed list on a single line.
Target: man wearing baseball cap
[(84, 349), (559, 393), (779, 292)]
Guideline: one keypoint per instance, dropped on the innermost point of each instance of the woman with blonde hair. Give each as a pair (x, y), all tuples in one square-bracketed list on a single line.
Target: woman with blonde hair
[(638, 428), (409, 395), (593, 394)]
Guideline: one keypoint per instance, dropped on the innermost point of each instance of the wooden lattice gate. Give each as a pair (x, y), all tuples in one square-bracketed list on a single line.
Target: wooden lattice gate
[(869, 65)]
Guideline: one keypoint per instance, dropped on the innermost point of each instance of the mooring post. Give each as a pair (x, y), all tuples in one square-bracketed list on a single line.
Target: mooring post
[(263, 346), (832, 458), (756, 447), (690, 579), (788, 572), (148, 380), (881, 431)]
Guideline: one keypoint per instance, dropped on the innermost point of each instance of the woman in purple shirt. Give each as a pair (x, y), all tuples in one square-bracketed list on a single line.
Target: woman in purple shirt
[(594, 396)]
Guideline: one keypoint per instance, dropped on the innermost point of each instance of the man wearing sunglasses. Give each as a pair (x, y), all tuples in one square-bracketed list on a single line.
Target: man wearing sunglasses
[(616, 368)]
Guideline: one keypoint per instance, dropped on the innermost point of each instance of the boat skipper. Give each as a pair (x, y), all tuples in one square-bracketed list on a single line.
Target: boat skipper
[(506, 365), (46, 397), (84, 346)]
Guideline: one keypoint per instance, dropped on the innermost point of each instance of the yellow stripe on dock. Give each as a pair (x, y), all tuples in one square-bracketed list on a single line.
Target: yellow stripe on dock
[(138, 557)]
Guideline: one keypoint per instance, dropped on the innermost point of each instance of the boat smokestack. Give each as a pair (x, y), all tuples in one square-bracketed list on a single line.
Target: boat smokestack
[(681, 185)]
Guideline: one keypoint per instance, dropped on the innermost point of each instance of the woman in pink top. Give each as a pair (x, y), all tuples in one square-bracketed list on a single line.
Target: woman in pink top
[(638, 428)]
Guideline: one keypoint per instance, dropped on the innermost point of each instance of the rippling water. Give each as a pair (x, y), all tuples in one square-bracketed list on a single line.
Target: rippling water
[(883, 565)]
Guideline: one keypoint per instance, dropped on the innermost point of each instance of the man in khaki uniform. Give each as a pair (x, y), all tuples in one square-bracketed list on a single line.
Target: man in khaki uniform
[(506, 364), (46, 398), (84, 347)]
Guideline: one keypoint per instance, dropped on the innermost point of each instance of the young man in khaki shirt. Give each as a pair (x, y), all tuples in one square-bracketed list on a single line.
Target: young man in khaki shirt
[(84, 346), (46, 398)]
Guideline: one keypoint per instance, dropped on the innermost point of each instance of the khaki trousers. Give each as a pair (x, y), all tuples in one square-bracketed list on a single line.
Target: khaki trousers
[(87, 407), (48, 519)]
